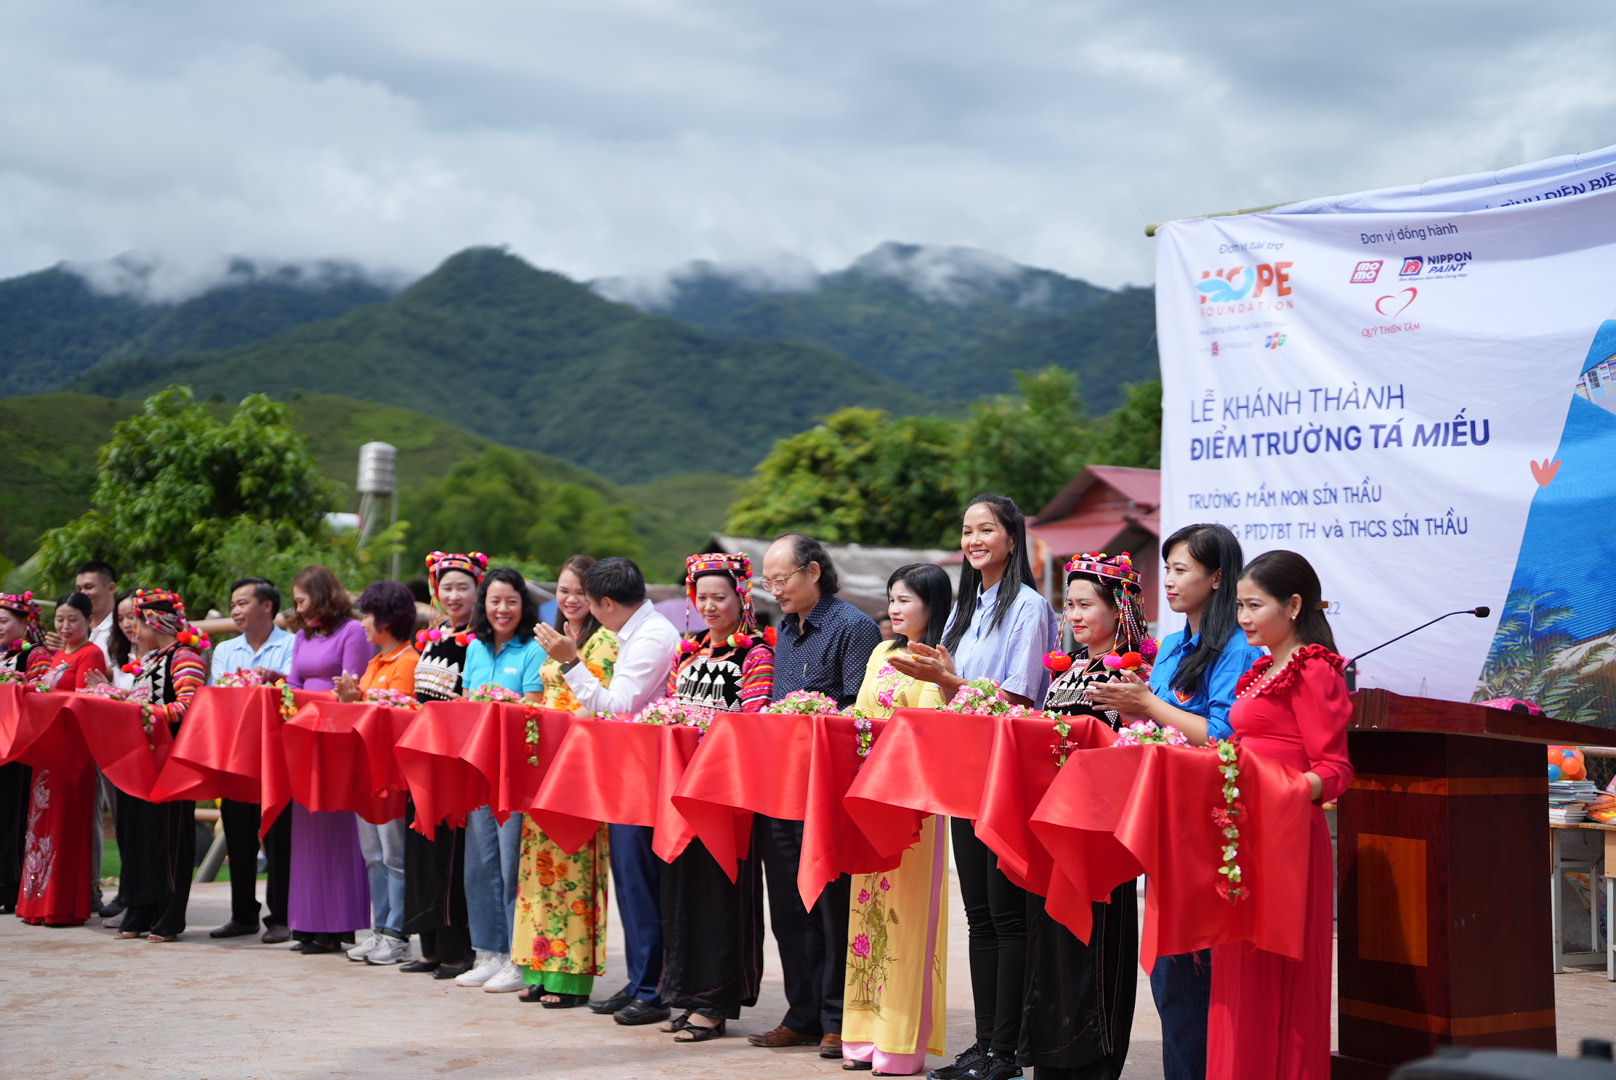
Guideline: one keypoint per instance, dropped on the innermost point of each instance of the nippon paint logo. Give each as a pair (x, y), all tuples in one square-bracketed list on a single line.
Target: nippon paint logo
[(1249, 287), (1447, 265)]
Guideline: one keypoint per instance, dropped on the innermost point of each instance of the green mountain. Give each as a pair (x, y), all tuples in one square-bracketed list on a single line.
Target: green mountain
[(55, 324), (531, 359), (1107, 345), (949, 322), (50, 441)]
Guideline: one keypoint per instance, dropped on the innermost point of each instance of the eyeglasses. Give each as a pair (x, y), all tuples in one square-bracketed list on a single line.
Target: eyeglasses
[(774, 585)]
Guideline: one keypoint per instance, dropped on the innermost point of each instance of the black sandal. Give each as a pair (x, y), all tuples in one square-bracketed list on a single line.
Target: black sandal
[(564, 1001), (695, 1033), (677, 1024), (857, 1066)]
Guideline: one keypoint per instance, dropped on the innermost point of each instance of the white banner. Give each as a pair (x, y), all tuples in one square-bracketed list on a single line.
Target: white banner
[(1409, 388)]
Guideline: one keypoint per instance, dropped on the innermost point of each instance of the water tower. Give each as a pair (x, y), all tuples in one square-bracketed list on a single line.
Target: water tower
[(378, 491)]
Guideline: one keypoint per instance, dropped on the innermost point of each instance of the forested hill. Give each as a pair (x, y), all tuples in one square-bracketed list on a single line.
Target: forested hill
[(947, 321), (529, 358), (55, 325)]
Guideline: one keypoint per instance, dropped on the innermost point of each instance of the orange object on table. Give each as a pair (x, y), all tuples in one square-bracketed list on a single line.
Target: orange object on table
[(991, 770), (786, 766), (1114, 814), (229, 747), (616, 771), (458, 755), (339, 756)]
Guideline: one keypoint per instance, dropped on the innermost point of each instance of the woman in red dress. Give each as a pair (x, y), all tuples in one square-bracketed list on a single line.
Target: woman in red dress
[(1270, 1016), (56, 860), (22, 653)]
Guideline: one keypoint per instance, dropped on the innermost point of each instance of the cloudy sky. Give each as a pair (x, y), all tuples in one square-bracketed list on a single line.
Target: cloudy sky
[(602, 137)]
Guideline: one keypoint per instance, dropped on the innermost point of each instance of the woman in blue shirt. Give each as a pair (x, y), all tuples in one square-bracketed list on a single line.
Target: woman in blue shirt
[(1000, 630), (505, 653), (1192, 687)]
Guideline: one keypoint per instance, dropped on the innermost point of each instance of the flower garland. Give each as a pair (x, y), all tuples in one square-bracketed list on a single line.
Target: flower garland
[(148, 723), (288, 702), (866, 734), (8, 677), (802, 703), (984, 697), (392, 699), (1147, 733), (246, 677), (530, 732), (118, 693), (495, 693), (671, 713), (1227, 818)]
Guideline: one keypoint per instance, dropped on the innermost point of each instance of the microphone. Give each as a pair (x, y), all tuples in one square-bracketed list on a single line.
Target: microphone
[(1351, 670)]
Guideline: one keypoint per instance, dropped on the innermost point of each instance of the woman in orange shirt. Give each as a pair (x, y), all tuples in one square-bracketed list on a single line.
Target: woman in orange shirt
[(388, 611)]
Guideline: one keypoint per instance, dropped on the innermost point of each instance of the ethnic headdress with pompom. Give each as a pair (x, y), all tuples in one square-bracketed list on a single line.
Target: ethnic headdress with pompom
[(1099, 564), (164, 611), (473, 563), (1119, 575), (25, 607), (738, 568)]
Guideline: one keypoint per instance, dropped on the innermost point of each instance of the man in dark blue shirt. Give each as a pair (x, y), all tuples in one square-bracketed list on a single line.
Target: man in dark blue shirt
[(823, 645)]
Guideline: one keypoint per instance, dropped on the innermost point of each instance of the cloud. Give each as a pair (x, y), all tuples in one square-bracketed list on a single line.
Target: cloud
[(624, 137)]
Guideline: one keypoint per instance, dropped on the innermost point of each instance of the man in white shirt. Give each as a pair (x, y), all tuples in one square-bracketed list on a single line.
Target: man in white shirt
[(647, 645), (266, 649)]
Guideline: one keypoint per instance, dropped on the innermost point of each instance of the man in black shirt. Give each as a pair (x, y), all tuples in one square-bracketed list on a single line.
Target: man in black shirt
[(823, 645)]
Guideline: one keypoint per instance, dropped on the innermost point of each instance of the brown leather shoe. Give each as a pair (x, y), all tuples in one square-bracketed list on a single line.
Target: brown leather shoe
[(830, 1047), (784, 1036)]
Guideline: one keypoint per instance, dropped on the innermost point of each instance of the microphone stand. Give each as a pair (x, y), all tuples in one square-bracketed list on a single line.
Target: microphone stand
[(1351, 670)]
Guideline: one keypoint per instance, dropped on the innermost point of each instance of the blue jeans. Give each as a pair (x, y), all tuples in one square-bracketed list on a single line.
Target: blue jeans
[(383, 848), (493, 853), (1182, 987)]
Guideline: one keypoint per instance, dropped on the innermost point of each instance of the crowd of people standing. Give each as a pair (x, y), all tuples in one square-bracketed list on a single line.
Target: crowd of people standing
[(501, 907)]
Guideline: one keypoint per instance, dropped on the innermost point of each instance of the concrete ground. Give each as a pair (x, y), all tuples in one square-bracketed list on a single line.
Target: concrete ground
[(77, 1003)]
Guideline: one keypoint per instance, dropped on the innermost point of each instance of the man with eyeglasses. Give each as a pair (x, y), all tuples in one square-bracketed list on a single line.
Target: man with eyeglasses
[(823, 645)]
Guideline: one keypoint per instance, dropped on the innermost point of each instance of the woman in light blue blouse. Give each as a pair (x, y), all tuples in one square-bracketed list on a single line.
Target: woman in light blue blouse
[(1192, 687), (1000, 630)]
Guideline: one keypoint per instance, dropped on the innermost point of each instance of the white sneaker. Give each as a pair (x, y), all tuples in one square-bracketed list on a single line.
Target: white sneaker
[(486, 969), (505, 981), (361, 950), (389, 950)]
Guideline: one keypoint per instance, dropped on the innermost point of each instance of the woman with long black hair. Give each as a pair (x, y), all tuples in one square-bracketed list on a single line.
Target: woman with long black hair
[(1000, 630), (1192, 688), (897, 963)]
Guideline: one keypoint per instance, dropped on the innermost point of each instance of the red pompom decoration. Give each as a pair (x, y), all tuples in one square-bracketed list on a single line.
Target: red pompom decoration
[(688, 646), (1132, 661), (1111, 660), (770, 636), (1058, 661), (741, 641)]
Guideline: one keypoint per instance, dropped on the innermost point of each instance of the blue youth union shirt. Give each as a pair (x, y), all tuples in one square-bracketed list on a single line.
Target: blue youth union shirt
[(515, 666), (1213, 696)]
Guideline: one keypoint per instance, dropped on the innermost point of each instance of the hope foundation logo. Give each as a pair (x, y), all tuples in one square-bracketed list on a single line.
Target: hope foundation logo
[(1250, 287)]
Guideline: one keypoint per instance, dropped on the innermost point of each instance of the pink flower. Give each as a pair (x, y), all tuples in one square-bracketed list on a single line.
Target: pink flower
[(864, 896), (861, 946), (885, 884)]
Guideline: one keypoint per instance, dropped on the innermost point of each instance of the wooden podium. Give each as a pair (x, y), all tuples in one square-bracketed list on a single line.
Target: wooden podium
[(1443, 924)]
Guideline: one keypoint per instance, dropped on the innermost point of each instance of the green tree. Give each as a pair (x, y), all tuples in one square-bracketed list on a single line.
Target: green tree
[(183, 500), (1131, 433), (497, 503), (859, 477), (1028, 445)]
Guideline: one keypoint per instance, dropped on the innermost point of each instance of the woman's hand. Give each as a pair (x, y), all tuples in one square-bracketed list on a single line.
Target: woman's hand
[(556, 645), (269, 675), (924, 663), (93, 678), (347, 687), (1128, 694)]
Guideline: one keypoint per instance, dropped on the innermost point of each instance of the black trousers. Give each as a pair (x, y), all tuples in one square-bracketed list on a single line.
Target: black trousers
[(241, 822), (158, 864), (996, 929), (16, 781), (813, 944)]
